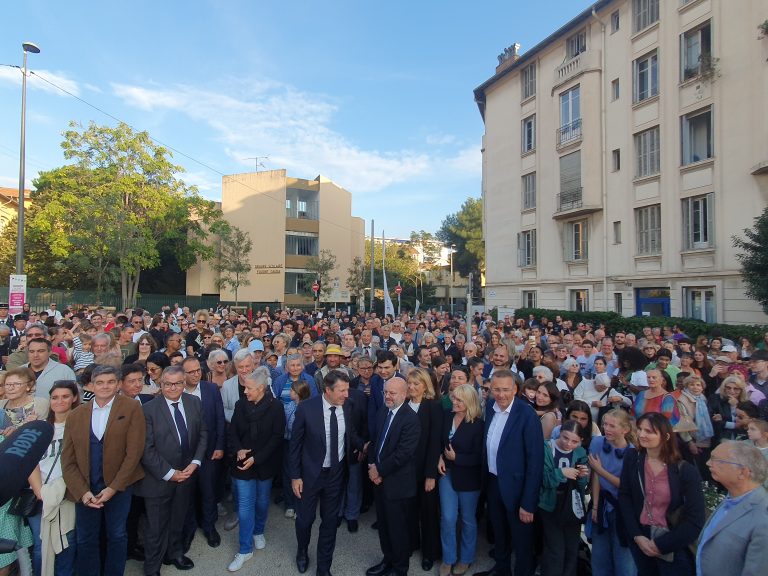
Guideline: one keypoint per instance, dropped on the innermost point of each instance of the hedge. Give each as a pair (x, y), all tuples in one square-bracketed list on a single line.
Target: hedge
[(613, 322)]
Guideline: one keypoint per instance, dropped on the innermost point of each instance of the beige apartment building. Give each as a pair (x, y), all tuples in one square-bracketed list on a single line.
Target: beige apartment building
[(288, 220), (620, 156)]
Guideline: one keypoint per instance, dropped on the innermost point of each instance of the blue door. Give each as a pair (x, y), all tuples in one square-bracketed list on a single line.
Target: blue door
[(652, 302)]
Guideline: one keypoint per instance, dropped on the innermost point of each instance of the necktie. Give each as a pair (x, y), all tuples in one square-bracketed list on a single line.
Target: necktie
[(368, 351), (334, 437), (384, 432), (183, 432)]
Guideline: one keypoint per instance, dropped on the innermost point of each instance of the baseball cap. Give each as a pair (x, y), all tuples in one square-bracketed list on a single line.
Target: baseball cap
[(724, 360), (256, 345), (728, 348), (759, 355)]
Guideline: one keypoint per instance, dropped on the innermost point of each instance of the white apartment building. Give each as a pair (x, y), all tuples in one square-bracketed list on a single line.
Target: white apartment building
[(620, 156)]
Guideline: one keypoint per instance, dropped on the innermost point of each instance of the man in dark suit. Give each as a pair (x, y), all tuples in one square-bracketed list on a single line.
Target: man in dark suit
[(174, 449), (386, 368), (391, 467), (358, 404), (513, 466), (322, 444), (210, 469)]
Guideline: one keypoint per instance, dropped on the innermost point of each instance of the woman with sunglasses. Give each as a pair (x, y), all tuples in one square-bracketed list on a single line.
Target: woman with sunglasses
[(218, 362), (145, 346), (661, 501), (610, 549)]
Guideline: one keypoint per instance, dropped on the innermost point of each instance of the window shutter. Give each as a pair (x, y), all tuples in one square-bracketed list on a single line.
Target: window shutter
[(687, 239), (710, 220), (570, 172), (533, 247), (568, 244), (520, 260)]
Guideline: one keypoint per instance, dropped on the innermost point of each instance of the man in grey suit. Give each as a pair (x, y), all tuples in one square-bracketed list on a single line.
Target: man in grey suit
[(174, 449), (735, 539)]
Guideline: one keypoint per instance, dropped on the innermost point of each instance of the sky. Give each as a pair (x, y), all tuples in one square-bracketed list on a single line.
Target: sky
[(376, 96)]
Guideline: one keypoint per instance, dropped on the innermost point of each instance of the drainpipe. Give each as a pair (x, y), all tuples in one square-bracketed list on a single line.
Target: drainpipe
[(603, 159)]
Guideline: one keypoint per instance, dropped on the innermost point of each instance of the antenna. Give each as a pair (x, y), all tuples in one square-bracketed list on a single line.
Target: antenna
[(258, 161)]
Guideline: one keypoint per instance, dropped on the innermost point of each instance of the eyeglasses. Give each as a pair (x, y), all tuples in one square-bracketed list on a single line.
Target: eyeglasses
[(173, 384), (15, 384), (740, 465), (221, 361), (197, 371)]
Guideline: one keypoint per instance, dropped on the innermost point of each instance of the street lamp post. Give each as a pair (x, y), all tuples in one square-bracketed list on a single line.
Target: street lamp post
[(27, 47), (450, 284)]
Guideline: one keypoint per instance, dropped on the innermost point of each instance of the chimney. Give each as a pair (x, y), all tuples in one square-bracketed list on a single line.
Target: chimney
[(508, 57)]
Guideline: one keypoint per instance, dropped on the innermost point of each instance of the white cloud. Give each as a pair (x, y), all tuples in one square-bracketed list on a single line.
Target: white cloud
[(440, 139), (468, 160), (292, 127), (35, 80), (208, 186)]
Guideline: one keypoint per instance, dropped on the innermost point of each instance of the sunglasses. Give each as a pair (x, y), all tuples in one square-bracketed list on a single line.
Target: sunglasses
[(221, 361)]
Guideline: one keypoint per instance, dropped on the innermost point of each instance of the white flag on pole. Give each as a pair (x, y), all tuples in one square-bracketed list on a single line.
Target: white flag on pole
[(389, 308)]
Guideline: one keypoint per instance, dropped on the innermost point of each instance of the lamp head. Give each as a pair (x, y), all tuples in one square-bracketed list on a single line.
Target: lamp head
[(30, 47)]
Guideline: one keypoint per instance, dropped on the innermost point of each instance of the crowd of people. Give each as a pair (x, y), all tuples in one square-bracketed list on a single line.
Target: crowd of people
[(536, 433)]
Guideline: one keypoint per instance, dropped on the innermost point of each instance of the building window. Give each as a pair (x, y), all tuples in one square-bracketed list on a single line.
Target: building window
[(648, 153), (615, 22), (644, 13), (617, 232), (526, 248), (528, 298), (576, 240), (576, 44), (529, 81), (700, 304), (648, 226), (698, 225), (570, 181), (646, 74), (570, 116), (616, 160), (614, 90), (696, 132), (696, 51), (299, 283), (579, 300), (529, 134), (618, 303), (300, 245), (529, 191)]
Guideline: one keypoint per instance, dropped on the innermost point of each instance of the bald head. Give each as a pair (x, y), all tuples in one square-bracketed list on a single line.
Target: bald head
[(395, 392)]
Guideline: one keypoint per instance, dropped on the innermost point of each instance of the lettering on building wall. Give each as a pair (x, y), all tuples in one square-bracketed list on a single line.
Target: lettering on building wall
[(268, 268)]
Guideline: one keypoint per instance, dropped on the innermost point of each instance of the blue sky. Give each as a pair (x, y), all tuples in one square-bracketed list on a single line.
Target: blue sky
[(374, 95)]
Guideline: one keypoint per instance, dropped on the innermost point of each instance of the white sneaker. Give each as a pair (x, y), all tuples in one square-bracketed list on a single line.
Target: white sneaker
[(238, 562), (259, 542), (231, 521), (290, 513)]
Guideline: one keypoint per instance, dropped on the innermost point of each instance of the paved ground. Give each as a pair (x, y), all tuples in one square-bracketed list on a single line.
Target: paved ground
[(354, 552)]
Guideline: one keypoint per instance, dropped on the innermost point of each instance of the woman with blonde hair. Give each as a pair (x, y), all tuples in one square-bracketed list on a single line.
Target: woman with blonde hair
[(695, 427), (459, 466), (722, 407)]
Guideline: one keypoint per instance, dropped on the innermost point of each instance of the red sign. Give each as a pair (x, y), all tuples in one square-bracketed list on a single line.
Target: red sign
[(315, 287), (398, 289)]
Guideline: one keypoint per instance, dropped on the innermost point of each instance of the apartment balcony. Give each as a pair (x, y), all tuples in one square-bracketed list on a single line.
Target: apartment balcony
[(302, 209), (568, 134), (589, 60), (571, 203)]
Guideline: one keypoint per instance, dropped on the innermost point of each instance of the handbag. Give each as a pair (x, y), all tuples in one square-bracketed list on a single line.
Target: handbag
[(26, 504)]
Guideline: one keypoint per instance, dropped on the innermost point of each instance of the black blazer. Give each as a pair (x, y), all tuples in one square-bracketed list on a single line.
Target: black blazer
[(307, 445), (396, 464), (685, 490), (213, 412), (717, 405), (260, 428), (428, 449), (162, 450), (467, 443)]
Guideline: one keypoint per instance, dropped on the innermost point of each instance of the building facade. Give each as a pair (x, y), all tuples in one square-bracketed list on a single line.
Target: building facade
[(288, 220), (620, 156)]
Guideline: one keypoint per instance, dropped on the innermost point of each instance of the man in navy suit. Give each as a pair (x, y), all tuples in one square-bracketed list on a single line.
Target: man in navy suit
[(210, 468), (513, 466), (174, 450), (386, 368), (322, 444), (392, 469)]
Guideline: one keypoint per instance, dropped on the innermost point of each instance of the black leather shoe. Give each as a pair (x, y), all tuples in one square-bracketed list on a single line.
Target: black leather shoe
[(213, 538), (338, 521), (352, 525), (302, 561), (381, 569), (136, 554), (491, 572), (181, 563), (426, 564)]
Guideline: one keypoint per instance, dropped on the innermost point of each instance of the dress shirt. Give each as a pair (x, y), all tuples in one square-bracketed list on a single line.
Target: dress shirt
[(495, 429), (195, 392), (170, 403), (342, 428), (100, 417)]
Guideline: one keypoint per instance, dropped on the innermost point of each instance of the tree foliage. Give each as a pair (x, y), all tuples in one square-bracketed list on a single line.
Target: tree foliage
[(323, 266), (754, 259), (402, 266), (357, 281), (234, 259), (465, 230)]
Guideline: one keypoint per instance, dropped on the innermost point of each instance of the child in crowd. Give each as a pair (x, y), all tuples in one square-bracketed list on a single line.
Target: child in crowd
[(757, 432)]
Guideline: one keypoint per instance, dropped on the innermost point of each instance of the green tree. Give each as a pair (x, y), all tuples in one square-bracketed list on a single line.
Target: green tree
[(465, 230), (403, 267), (130, 202), (322, 266), (754, 259), (234, 259), (357, 281)]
